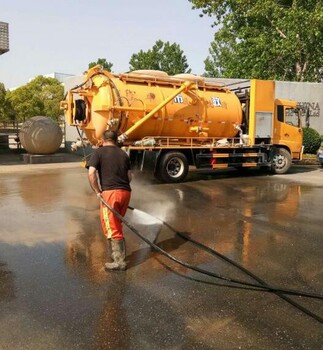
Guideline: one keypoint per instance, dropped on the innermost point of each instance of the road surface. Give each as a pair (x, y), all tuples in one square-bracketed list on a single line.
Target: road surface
[(54, 293)]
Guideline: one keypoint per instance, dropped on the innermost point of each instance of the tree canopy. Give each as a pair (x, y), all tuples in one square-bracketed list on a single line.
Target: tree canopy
[(162, 56), (41, 96), (102, 62), (267, 39)]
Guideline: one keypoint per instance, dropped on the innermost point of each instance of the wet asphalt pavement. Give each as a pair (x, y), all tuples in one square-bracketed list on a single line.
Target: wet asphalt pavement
[(54, 293)]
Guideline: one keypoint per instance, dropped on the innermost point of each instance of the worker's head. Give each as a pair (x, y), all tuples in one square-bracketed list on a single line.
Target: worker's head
[(110, 136)]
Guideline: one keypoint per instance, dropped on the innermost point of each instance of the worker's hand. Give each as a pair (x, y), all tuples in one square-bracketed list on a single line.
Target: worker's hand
[(98, 194)]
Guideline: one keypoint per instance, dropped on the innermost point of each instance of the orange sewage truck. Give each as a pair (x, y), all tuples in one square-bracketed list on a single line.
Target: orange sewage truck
[(167, 123)]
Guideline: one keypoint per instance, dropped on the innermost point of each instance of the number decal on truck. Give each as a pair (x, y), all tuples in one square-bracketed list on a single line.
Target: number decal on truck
[(216, 102), (179, 99)]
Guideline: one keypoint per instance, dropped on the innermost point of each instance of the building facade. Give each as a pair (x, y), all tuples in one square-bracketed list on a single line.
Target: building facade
[(4, 37)]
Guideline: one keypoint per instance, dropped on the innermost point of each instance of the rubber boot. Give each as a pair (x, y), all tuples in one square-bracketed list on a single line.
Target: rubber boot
[(118, 255)]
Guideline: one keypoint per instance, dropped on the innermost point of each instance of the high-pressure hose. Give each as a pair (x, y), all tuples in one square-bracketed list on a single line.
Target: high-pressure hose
[(262, 286)]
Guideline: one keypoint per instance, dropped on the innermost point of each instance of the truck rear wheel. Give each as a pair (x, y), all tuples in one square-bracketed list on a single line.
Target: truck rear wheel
[(173, 167), (281, 161)]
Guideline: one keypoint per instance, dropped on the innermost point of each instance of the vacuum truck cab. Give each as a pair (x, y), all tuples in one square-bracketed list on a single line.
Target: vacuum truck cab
[(169, 123)]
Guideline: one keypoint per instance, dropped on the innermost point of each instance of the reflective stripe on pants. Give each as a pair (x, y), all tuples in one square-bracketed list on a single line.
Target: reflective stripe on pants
[(119, 201)]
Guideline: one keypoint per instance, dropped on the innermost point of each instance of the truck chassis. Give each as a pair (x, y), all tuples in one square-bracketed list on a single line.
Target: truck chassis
[(169, 158)]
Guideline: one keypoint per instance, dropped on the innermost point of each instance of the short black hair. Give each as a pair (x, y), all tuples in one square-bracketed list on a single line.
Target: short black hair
[(110, 135)]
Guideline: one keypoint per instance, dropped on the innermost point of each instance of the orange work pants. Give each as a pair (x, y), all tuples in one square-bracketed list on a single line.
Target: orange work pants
[(119, 201)]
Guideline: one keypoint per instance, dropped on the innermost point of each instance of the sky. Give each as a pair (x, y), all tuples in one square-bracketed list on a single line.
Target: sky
[(64, 36)]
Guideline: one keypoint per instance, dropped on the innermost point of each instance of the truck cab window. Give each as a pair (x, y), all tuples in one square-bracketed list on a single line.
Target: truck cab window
[(288, 115), (280, 113), (292, 116)]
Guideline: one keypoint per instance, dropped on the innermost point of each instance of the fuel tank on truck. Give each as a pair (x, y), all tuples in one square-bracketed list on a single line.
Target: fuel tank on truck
[(151, 103)]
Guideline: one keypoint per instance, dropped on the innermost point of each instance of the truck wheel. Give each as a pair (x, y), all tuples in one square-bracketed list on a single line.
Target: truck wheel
[(281, 161), (173, 167)]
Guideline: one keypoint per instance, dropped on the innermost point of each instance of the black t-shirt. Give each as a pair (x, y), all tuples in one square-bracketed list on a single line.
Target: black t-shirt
[(112, 164)]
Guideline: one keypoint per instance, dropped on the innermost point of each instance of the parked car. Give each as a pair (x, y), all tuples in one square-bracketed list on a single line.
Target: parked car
[(320, 154)]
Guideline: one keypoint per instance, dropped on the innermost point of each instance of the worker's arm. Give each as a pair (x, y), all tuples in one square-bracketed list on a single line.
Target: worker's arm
[(93, 180)]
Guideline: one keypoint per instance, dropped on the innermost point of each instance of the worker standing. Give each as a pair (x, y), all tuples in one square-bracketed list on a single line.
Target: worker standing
[(112, 165)]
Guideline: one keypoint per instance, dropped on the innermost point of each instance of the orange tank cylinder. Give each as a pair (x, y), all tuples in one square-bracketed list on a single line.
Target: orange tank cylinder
[(151, 103)]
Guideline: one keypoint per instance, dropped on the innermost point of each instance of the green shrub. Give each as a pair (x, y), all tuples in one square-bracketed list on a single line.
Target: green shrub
[(311, 140)]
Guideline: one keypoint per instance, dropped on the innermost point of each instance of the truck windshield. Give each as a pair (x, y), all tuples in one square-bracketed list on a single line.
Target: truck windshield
[(292, 117)]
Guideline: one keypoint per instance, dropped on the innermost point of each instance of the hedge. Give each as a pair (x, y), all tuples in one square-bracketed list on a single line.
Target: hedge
[(311, 140)]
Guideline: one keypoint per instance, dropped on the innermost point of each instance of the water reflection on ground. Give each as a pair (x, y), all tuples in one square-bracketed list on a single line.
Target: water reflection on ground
[(55, 294)]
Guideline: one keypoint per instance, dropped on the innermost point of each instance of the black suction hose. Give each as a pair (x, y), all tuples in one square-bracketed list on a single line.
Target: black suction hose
[(209, 273), (249, 273), (278, 291), (262, 287), (171, 257)]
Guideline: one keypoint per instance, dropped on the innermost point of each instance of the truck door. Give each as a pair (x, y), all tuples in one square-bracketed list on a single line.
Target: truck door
[(288, 129)]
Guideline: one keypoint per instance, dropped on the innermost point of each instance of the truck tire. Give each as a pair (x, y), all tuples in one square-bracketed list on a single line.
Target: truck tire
[(281, 161), (173, 167)]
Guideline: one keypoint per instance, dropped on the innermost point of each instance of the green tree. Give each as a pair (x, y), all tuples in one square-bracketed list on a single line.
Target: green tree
[(41, 96), (102, 62), (267, 39), (162, 56), (6, 110)]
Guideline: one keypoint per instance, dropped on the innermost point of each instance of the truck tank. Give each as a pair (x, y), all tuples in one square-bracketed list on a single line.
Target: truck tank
[(151, 103)]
